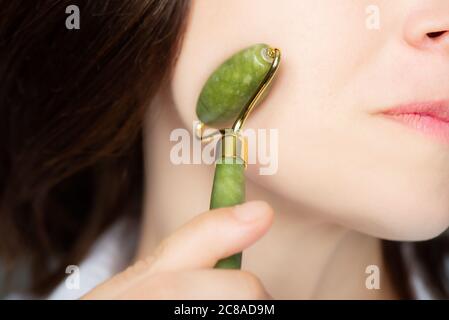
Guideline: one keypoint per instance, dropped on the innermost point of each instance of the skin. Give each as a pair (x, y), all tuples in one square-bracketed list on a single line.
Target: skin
[(347, 177)]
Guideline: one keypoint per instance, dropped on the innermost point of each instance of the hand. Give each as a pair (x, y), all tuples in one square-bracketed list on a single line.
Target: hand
[(182, 265)]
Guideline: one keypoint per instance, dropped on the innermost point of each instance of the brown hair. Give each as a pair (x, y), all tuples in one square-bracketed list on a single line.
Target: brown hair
[(426, 260), (71, 107)]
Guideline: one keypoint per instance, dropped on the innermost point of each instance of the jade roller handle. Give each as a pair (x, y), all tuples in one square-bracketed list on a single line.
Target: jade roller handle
[(229, 182), (228, 190)]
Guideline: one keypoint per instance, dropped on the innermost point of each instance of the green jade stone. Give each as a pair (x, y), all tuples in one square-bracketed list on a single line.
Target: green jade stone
[(231, 86), (228, 190)]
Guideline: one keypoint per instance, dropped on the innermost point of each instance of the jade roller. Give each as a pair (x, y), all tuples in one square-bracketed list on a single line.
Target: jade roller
[(225, 101)]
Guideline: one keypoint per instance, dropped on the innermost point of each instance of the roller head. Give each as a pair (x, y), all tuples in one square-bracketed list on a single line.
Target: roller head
[(232, 84)]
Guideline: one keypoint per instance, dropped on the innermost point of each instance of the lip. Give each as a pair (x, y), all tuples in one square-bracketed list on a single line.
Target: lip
[(430, 118)]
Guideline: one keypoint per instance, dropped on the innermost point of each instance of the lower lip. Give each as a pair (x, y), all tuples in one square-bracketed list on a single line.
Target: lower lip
[(425, 123)]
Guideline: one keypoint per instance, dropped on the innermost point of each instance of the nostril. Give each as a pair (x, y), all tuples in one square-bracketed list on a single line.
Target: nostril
[(434, 35)]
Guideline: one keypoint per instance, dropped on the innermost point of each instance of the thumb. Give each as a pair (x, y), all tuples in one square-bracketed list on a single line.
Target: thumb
[(214, 235)]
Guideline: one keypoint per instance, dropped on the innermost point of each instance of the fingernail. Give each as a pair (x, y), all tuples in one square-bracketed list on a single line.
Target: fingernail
[(251, 210)]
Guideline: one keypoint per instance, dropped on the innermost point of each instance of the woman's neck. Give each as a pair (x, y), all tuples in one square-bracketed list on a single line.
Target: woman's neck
[(300, 257)]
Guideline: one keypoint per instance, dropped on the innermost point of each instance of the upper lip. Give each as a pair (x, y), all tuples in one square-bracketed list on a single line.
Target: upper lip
[(435, 109)]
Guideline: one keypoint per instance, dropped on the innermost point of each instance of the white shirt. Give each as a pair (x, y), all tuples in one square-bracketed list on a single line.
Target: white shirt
[(110, 254)]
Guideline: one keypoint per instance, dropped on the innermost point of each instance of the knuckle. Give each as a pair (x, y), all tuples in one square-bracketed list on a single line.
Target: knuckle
[(138, 268), (161, 249), (130, 272), (253, 286), (159, 253)]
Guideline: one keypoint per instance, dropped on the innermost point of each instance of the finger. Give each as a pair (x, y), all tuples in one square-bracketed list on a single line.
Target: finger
[(200, 243), (195, 285), (212, 236)]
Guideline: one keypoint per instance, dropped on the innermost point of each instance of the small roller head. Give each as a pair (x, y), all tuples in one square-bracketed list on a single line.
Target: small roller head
[(232, 84)]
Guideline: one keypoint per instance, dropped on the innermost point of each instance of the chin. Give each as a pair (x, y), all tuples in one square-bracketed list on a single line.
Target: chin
[(414, 219)]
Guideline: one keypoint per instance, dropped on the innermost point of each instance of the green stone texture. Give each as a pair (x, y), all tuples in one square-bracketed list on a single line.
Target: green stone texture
[(231, 86), (228, 190)]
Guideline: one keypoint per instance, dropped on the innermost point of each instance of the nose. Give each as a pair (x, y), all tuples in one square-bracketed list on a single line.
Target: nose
[(429, 30)]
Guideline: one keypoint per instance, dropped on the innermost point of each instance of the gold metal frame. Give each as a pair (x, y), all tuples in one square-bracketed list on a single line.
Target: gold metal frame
[(273, 53)]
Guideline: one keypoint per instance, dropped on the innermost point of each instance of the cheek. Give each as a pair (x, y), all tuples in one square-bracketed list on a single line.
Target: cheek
[(356, 176), (217, 29)]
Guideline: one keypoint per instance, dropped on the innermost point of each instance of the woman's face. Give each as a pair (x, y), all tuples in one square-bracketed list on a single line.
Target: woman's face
[(344, 62)]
